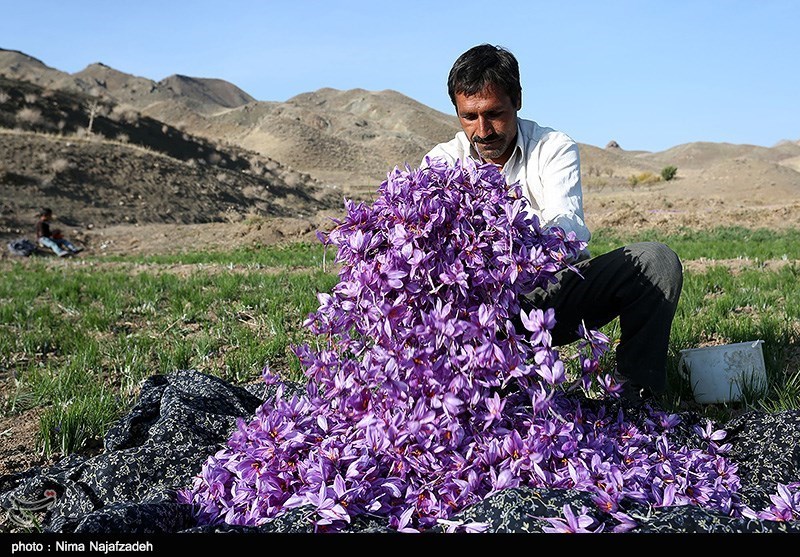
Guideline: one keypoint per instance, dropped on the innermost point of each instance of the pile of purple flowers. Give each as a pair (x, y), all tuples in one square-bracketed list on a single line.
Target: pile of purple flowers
[(422, 396)]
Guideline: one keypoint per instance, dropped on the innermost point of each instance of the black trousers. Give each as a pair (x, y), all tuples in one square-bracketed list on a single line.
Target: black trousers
[(639, 283)]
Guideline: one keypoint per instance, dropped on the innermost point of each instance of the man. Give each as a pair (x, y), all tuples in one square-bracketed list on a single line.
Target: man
[(53, 239), (639, 283)]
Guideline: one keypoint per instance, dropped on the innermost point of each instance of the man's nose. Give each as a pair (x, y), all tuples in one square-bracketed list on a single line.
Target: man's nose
[(485, 128)]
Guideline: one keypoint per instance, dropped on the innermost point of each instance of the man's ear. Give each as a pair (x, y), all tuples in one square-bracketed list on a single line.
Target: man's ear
[(519, 102)]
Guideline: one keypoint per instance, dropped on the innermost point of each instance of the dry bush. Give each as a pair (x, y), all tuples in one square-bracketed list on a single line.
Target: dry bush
[(29, 116), (31, 98), (60, 165), (4, 97), (123, 137), (257, 169), (595, 184), (593, 170), (643, 178), (214, 158), (125, 114)]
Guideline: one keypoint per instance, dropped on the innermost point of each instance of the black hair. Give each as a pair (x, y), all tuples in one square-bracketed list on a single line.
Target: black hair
[(484, 65), (45, 211)]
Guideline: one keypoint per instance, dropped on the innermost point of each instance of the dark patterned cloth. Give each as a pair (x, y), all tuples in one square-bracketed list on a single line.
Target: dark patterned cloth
[(182, 418)]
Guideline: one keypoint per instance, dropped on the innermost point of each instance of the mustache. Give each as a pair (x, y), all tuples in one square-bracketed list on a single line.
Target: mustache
[(488, 139)]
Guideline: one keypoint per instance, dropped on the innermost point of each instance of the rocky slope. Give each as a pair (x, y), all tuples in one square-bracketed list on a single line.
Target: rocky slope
[(131, 168)]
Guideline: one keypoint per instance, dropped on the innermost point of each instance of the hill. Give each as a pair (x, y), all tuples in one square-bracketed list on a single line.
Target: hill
[(199, 151), (99, 164)]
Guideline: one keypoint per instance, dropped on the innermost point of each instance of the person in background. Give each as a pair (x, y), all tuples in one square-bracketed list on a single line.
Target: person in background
[(640, 283), (53, 239)]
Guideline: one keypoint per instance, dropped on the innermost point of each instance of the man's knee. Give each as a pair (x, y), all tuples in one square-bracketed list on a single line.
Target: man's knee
[(660, 266)]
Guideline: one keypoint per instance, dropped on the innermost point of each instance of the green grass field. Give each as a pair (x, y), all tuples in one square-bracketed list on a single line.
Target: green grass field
[(78, 337)]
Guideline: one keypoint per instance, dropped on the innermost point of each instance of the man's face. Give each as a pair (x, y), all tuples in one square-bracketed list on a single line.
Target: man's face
[(489, 119)]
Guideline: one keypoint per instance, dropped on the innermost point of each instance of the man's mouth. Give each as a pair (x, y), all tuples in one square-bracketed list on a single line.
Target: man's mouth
[(488, 143)]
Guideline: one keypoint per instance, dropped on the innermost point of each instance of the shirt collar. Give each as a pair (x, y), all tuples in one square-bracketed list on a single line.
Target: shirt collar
[(518, 149)]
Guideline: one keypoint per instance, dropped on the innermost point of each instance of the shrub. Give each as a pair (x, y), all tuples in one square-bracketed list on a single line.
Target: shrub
[(668, 172), (643, 178), (124, 113), (59, 165), (29, 116)]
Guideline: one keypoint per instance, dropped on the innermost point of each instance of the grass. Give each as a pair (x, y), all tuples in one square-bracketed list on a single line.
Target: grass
[(718, 306), (77, 338), (719, 243)]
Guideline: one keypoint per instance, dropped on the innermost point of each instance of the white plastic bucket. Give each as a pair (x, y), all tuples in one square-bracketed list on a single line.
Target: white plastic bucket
[(722, 373)]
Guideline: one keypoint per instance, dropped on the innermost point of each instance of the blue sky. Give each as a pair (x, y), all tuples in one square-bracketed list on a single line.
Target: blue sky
[(648, 74)]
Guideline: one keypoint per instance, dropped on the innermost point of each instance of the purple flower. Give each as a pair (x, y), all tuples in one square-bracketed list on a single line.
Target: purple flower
[(494, 407), (540, 323), (422, 398), (572, 523), (785, 505)]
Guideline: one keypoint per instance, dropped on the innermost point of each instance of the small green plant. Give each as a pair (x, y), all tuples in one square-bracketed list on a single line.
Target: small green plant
[(70, 426), (668, 172)]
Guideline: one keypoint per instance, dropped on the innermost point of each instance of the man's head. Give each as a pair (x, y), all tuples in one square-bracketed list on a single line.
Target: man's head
[(46, 213), (485, 89)]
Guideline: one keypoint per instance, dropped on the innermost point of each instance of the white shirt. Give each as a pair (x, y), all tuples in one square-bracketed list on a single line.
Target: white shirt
[(546, 163)]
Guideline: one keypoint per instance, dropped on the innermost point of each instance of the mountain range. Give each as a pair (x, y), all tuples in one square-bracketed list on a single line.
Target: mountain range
[(275, 158)]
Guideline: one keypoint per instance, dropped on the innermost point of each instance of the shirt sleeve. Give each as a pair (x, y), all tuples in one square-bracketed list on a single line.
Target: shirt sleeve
[(561, 195)]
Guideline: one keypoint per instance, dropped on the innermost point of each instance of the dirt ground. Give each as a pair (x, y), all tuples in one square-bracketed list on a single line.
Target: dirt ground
[(625, 211)]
